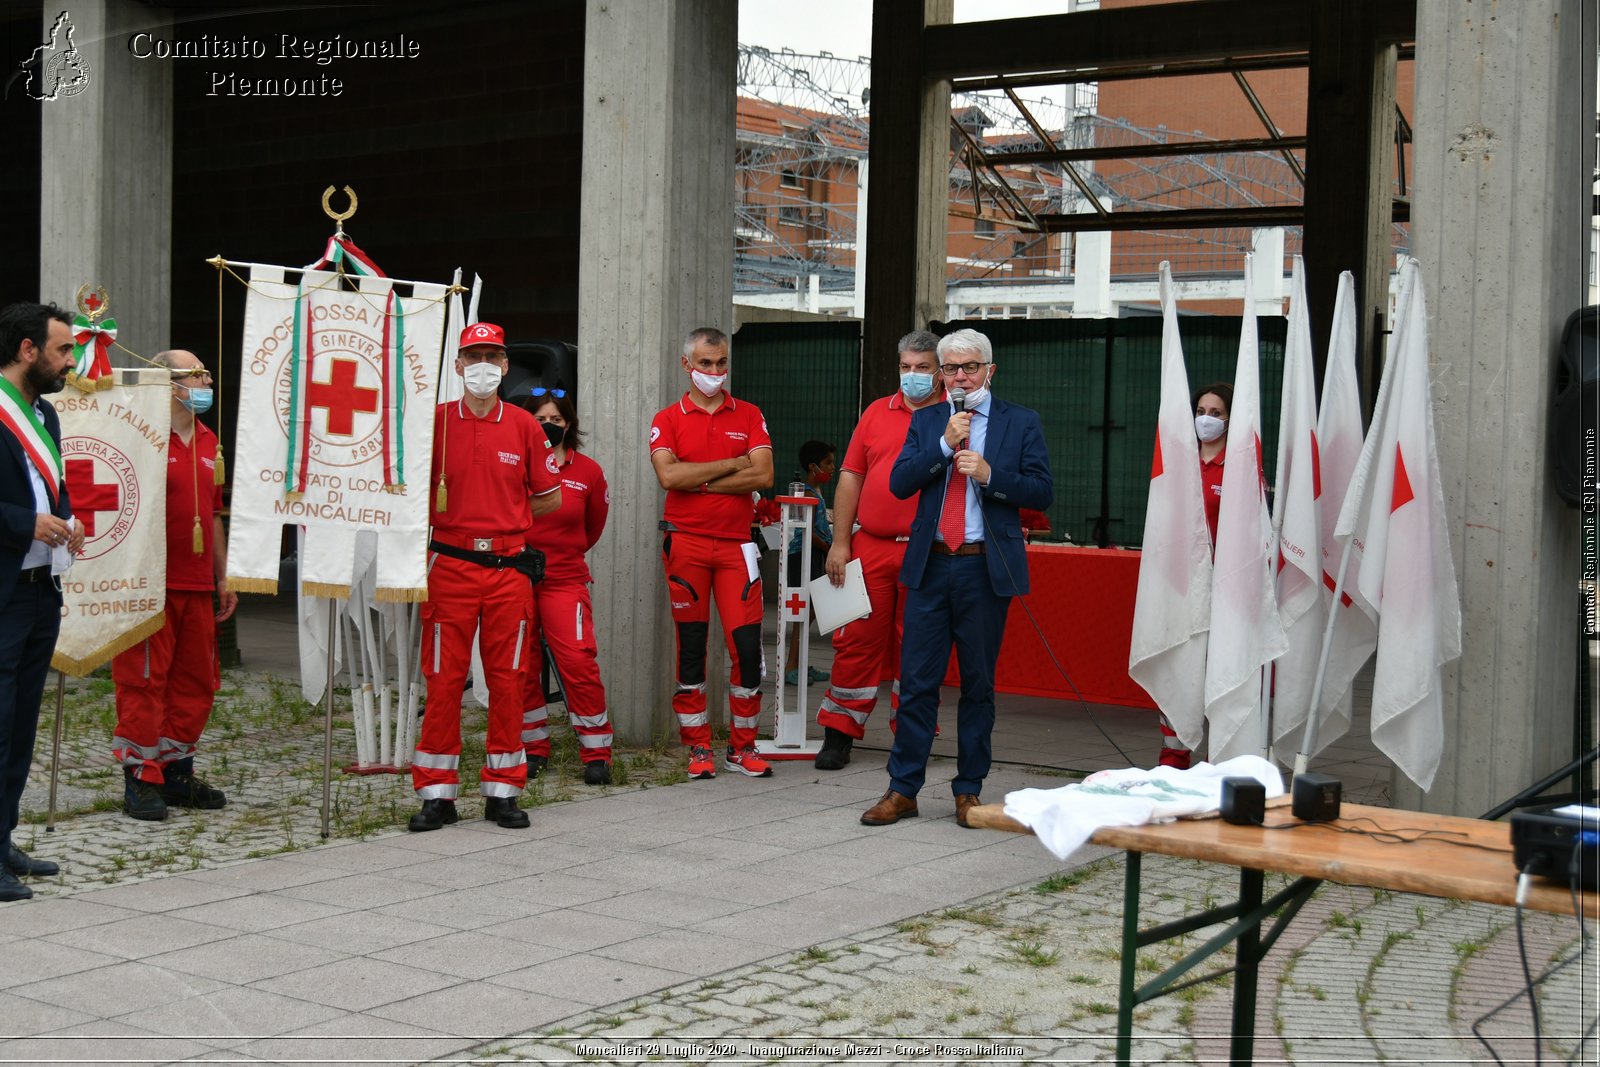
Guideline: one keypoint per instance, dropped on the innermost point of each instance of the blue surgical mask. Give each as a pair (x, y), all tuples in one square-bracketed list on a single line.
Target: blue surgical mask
[(196, 399), (916, 386)]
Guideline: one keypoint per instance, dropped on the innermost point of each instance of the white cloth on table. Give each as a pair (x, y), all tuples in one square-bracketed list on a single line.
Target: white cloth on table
[(1065, 818)]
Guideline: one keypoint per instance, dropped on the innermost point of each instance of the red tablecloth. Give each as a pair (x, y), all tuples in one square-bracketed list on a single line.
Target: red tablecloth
[(1083, 601)]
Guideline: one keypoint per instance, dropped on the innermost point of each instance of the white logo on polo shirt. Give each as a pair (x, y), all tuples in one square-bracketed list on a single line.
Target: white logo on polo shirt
[(655, 434), (551, 465), (510, 457)]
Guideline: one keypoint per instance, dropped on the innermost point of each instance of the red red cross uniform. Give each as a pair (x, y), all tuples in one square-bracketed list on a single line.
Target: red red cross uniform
[(564, 614), (703, 552), (868, 650), (166, 684), (491, 467)]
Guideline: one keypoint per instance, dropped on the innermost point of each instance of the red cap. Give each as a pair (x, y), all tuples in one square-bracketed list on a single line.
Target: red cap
[(483, 333)]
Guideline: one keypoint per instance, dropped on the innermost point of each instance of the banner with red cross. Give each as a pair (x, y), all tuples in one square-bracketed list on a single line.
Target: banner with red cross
[(335, 431), (114, 450)]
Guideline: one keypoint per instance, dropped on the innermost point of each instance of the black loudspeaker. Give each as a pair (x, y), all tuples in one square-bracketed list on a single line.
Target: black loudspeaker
[(1244, 801), (540, 364), (1316, 797), (1577, 395)]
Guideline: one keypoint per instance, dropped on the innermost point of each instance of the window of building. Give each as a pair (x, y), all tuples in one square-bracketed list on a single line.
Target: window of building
[(984, 229), (791, 215), (789, 179)]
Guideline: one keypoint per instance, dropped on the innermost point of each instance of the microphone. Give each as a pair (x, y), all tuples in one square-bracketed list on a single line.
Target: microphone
[(958, 397)]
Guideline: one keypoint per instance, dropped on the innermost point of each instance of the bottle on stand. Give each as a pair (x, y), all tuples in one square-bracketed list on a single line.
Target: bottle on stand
[(798, 486)]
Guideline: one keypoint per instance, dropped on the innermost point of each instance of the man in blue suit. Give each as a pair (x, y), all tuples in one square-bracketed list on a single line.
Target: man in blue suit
[(35, 521), (975, 463)]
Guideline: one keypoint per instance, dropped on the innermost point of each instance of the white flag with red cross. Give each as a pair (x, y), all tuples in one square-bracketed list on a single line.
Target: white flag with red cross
[(1394, 511), (1246, 633), (1172, 608)]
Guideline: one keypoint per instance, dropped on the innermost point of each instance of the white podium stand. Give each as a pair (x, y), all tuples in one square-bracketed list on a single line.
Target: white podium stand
[(794, 606)]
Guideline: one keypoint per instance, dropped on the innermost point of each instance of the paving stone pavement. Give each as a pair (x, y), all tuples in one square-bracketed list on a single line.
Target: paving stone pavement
[(726, 921)]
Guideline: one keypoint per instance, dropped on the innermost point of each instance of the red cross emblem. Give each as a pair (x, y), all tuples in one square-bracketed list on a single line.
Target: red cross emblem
[(342, 398), (796, 604), (90, 497), (93, 301)]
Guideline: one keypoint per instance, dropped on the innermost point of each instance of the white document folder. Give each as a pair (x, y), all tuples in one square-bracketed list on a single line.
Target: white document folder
[(833, 607)]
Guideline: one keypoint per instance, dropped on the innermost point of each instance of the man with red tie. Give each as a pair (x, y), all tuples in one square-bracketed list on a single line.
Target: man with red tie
[(971, 466), (493, 471)]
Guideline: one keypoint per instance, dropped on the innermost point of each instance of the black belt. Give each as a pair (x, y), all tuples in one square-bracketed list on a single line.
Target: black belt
[(530, 561), (971, 548), (35, 574)]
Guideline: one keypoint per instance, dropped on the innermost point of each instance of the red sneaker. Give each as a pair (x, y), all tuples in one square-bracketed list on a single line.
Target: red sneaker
[(702, 764), (745, 761)]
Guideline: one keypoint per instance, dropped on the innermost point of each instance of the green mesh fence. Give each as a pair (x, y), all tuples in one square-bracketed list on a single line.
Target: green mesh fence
[(1096, 384)]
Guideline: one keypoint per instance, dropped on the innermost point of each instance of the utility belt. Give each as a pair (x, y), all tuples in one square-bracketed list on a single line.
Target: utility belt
[(485, 552)]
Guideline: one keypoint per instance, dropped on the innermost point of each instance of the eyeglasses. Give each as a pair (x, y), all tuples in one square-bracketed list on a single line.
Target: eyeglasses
[(199, 373), (950, 370), (540, 390)]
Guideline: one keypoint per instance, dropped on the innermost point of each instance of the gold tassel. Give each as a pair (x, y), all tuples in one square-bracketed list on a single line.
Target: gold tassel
[(220, 474), (440, 497), (80, 668), (268, 586), (326, 589), (401, 596), (199, 538), (105, 381)]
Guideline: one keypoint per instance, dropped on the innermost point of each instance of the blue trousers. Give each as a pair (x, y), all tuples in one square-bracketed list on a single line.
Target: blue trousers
[(956, 605), (28, 637)]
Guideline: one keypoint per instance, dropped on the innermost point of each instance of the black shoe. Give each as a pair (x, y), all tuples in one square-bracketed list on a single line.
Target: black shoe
[(19, 863), (434, 815), (189, 791), (142, 800), (10, 888), (835, 751), (503, 811), (536, 765), (597, 772)]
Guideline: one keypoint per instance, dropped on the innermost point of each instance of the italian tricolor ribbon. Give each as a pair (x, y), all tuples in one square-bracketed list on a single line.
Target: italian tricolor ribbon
[(91, 349), (341, 250), (18, 416)]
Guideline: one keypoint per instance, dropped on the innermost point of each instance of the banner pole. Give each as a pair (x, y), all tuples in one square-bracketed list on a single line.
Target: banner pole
[(55, 754), (327, 722), (1309, 736)]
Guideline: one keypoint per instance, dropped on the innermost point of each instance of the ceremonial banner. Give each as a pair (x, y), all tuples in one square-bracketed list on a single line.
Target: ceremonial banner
[(335, 429), (114, 449)]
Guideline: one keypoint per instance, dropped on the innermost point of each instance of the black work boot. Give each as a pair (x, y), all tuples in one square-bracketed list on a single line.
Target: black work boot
[(536, 766), (835, 751), (503, 811), (597, 772), (182, 789), (142, 799), (434, 814)]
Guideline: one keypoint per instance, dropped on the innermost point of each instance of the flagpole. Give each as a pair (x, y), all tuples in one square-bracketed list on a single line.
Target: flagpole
[(327, 722), (1309, 737), (55, 754)]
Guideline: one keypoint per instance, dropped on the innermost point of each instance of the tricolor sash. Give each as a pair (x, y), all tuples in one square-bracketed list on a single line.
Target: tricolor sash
[(18, 416)]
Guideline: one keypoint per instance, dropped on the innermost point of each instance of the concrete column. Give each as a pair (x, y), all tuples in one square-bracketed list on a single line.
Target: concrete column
[(655, 260), (908, 226), (1504, 160), (105, 202), (1091, 270)]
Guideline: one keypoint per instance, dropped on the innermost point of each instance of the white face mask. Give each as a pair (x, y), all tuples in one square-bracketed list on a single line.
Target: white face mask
[(1208, 427), (482, 379), (708, 384)]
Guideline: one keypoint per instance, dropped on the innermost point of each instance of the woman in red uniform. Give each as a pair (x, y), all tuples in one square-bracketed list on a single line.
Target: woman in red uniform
[(1211, 406), (562, 612)]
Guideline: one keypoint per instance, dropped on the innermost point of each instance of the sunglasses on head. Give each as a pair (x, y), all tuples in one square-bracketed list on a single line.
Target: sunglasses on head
[(540, 390)]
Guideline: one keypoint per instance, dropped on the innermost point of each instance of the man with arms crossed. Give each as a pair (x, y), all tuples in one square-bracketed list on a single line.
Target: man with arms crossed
[(971, 465), (710, 452), (865, 649)]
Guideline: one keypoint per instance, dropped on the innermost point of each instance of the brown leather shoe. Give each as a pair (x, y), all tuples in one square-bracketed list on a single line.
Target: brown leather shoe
[(891, 809), (965, 802)]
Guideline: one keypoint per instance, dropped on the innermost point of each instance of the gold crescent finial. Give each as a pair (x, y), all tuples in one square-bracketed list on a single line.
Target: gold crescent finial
[(339, 216), (93, 306)]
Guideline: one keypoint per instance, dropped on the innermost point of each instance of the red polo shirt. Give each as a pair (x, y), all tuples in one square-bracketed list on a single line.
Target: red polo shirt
[(491, 467), (1211, 489), (571, 530), (874, 447), (694, 435), (185, 570)]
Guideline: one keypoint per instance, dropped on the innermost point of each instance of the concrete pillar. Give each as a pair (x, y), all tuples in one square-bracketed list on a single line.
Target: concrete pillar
[(1267, 285), (908, 226), (105, 202), (1505, 93), (655, 260), (1091, 270)]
